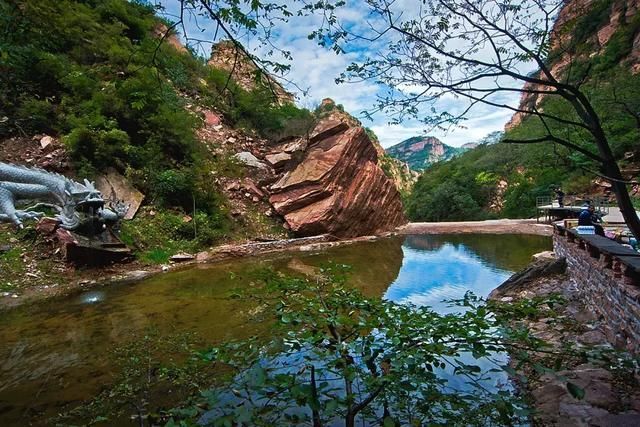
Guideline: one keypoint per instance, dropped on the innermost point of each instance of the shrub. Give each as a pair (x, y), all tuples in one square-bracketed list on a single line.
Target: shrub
[(156, 237), (35, 115), (173, 187), (257, 109)]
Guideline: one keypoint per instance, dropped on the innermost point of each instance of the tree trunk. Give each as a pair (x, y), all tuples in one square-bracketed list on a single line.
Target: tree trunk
[(622, 197), (610, 166)]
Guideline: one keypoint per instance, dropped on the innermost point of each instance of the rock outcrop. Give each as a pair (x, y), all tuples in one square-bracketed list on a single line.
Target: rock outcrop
[(226, 56), (616, 15), (161, 31), (400, 173), (115, 187), (338, 187), (542, 267)]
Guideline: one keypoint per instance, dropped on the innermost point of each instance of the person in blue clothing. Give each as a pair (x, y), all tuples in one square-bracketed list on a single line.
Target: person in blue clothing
[(589, 217)]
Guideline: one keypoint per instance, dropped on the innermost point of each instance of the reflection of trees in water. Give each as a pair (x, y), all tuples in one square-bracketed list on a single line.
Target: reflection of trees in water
[(505, 251), (73, 341), (425, 242), (374, 265)]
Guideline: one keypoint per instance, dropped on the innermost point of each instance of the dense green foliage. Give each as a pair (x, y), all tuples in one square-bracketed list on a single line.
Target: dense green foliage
[(94, 73), (256, 109), (529, 171)]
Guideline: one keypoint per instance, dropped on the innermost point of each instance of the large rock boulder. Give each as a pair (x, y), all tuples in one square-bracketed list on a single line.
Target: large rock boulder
[(116, 187), (338, 187), (543, 266)]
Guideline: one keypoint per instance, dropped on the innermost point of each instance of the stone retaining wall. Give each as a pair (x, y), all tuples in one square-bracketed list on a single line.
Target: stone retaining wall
[(605, 289)]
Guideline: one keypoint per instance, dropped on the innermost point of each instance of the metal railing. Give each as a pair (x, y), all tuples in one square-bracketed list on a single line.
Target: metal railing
[(600, 203), (549, 207)]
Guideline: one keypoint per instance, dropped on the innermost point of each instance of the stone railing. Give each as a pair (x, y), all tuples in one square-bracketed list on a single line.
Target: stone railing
[(607, 275)]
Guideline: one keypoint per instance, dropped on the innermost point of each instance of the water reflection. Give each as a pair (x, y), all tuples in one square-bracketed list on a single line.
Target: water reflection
[(92, 297), (58, 353), (435, 269)]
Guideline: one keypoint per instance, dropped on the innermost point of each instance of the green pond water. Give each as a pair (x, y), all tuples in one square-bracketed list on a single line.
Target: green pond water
[(57, 354)]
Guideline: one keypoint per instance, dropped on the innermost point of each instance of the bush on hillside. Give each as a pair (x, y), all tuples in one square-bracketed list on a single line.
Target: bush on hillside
[(98, 79), (257, 109)]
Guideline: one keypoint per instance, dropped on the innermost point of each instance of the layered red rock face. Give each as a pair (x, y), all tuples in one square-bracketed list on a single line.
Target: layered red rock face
[(338, 187)]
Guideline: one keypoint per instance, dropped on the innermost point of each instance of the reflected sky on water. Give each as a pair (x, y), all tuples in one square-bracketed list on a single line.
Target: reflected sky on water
[(58, 353)]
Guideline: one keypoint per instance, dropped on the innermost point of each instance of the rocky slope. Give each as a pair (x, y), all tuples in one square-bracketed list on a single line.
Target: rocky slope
[(400, 173), (421, 152), (338, 186), (226, 56), (583, 30)]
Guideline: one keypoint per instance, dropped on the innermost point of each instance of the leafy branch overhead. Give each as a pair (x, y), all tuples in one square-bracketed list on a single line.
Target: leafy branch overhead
[(337, 356), (482, 52)]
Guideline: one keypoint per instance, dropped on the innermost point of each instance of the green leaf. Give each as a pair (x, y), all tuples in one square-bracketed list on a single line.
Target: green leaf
[(388, 422), (575, 391)]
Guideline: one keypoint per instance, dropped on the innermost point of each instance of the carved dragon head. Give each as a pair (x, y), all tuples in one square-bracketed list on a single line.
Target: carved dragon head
[(78, 196), (83, 194)]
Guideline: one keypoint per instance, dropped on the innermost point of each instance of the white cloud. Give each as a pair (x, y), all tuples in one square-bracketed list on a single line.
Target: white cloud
[(316, 68)]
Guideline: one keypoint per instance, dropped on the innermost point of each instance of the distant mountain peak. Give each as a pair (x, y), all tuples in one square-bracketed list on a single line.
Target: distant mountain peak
[(420, 152)]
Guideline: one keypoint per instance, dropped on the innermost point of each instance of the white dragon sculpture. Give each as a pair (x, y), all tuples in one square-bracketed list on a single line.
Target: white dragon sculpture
[(67, 197)]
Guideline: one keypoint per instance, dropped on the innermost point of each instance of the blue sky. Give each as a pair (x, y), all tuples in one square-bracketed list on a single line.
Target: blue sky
[(315, 68), (429, 277)]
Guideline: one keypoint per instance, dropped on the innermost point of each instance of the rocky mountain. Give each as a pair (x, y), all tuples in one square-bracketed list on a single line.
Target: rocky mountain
[(605, 32), (469, 146), (420, 152)]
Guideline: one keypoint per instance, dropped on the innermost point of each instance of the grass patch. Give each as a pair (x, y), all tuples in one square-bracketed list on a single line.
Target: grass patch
[(156, 235)]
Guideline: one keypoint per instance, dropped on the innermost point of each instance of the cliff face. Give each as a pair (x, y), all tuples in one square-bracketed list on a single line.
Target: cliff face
[(399, 172), (226, 56), (338, 187), (421, 152), (590, 23)]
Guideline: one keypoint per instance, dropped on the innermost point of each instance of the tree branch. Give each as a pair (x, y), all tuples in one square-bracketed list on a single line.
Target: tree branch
[(552, 138)]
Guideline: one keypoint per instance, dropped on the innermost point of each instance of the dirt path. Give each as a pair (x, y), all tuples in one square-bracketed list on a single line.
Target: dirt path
[(496, 226)]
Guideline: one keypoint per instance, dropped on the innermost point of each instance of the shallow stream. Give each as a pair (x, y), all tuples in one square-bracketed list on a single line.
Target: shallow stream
[(56, 354)]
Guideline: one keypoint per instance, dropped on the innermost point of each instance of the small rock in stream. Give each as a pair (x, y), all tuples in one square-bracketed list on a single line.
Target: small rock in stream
[(182, 257)]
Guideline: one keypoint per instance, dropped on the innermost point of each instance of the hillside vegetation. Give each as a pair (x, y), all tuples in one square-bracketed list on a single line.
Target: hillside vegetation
[(504, 180), (95, 74)]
